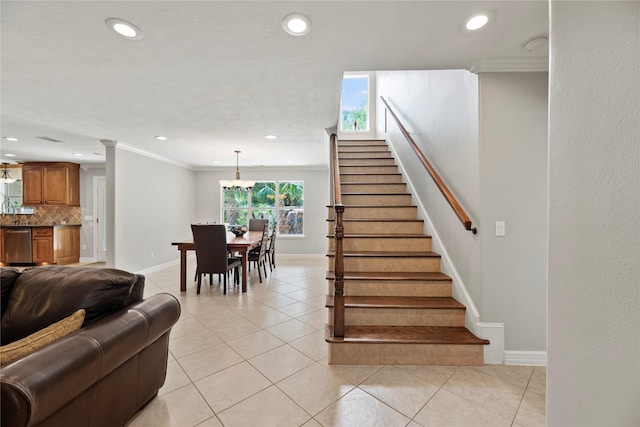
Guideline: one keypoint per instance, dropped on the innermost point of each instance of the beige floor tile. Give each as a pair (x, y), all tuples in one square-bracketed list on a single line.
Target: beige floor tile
[(517, 375), (448, 410), (291, 330), (312, 423), (490, 393), (316, 319), (211, 422), (297, 309), (277, 301), (280, 362), (175, 379), (268, 318), (193, 343), (226, 388), (209, 361), (218, 317), (313, 345), (355, 374), (538, 382), (437, 375), (399, 389), (314, 388), (269, 408), (187, 326), (306, 293), (362, 410), (237, 329), (180, 408), (532, 411), (254, 344)]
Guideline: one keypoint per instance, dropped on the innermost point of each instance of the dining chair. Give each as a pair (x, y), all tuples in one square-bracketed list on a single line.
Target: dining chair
[(211, 253), (271, 248), (258, 255), (257, 224)]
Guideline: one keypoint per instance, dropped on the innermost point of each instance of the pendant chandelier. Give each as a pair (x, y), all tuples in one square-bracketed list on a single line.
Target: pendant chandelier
[(6, 178), (237, 183)]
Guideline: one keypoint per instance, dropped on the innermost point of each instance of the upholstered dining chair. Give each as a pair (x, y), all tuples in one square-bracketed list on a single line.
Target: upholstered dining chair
[(271, 247), (211, 253), (258, 255), (257, 224)]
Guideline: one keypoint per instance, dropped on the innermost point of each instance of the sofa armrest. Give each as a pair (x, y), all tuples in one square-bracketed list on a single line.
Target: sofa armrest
[(36, 386)]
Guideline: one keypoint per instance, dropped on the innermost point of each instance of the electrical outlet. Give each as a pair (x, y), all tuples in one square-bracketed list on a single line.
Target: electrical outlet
[(500, 229), (152, 255)]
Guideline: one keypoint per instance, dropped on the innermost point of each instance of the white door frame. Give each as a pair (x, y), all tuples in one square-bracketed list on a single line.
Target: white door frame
[(99, 217)]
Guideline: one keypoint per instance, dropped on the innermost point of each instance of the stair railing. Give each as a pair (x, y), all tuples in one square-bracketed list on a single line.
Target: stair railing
[(338, 235), (460, 213)]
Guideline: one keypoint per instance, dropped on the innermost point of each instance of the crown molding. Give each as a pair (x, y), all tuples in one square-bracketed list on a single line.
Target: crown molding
[(131, 149), (524, 64)]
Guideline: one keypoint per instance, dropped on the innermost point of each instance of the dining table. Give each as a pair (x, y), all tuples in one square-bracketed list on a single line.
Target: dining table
[(240, 244)]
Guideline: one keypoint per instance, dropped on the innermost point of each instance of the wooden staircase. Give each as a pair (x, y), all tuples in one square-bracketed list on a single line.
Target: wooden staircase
[(398, 304)]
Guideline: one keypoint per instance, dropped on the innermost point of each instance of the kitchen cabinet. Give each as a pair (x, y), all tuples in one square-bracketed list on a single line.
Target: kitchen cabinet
[(42, 247), (51, 183), (56, 245)]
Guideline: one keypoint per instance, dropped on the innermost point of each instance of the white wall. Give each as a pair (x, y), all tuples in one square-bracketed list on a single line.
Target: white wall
[(594, 215), (513, 189), (153, 205), (440, 111), (316, 197)]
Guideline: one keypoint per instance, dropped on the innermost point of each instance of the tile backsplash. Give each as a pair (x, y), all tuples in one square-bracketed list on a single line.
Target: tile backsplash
[(47, 215)]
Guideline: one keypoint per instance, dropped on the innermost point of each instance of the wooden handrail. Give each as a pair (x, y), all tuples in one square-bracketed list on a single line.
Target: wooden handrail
[(338, 235), (460, 213)]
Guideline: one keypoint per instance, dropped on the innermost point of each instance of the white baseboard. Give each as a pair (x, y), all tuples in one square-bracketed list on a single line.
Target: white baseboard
[(88, 259), (158, 267), (529, 358)]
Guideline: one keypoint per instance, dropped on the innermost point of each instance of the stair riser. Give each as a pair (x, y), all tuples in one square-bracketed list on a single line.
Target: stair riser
[(413, 288), (371, 178), (405, 354), (350, 155), (374, 188), (378, 212), (342, 148), (362, 142), (381, 227), (400, 317), (369, 169), (354, 244), (377, 199), (367, 162), (389, 264)]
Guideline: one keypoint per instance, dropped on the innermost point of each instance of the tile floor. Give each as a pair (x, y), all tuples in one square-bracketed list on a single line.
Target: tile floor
[(260, 359)]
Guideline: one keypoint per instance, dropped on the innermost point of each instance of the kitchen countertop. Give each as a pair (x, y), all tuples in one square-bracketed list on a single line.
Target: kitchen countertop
[(38, 225)]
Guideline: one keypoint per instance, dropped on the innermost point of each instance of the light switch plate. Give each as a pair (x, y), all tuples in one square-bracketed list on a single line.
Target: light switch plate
[(500, 229)]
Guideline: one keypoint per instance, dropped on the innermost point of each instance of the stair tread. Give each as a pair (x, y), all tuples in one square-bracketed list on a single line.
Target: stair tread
[(375, 206), (368, 173), (378, 219), (391, 275), (449, 335), (375, 194), (443, 303)]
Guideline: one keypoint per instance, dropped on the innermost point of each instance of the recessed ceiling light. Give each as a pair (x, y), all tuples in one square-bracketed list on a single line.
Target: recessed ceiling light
[(9, 155), (270, 137), (77, 154), (477, 21), (296, 24), (124, 29), (161, 138), (10, 138)]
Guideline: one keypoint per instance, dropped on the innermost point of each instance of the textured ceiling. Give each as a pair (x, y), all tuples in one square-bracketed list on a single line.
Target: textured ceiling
[(215, 76)]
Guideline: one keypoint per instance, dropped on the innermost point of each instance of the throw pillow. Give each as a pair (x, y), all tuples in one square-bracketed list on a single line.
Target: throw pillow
[(21, 348)]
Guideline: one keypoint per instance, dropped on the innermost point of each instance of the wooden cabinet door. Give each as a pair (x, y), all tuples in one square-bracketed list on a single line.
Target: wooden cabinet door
[(42, 249), (55, 185), (73, 185), (32, 185), (67, 245)]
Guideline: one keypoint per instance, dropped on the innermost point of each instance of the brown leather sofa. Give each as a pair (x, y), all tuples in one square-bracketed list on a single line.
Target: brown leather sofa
[(99, 375)]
